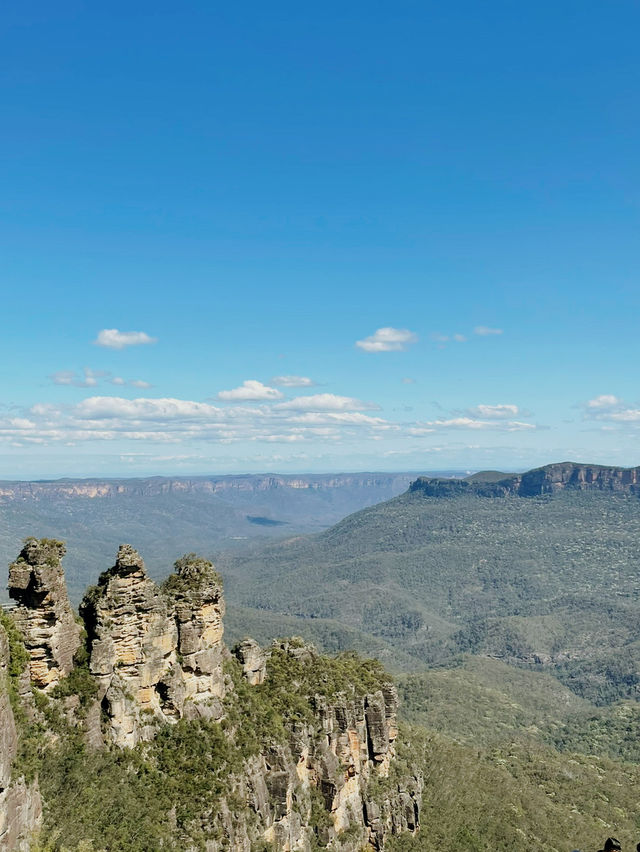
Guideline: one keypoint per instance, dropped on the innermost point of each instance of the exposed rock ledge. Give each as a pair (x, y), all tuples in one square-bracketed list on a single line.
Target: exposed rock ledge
[(156, 656)]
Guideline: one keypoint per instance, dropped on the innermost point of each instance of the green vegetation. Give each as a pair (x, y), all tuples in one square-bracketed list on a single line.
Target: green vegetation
[(79, 681), (547, 583), (517, 796), (189, 574), (162, 792)]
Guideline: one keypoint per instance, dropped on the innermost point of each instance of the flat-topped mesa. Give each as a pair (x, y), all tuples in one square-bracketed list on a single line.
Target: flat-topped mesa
[(581, 477), (44, 614), (550, 479), (195, 590), (133, 640)]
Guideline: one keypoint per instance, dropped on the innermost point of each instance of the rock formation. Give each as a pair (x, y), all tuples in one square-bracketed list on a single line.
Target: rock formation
[(253, 660), (156, 656), (20, 806), (334, 757), (43, 614), (195, 590), (549, 479)]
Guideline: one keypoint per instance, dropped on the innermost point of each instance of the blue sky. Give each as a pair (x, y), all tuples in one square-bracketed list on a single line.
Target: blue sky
[(201, 201)]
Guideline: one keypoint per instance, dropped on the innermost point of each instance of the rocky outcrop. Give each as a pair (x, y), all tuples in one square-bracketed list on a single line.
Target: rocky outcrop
[(535, 483), (44, 614), (195, 592), (335, 761), (253, 659), (156, 654), (581, 477), (318, 772), (20, 805)]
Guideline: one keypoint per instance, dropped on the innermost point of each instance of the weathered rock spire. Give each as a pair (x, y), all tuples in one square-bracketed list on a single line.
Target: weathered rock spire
[(195, 589), (133, 640), (44, 614), (156, 653)]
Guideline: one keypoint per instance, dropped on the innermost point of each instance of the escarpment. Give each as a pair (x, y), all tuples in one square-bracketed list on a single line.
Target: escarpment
[(20, 804), (549, 479), (275, 747)]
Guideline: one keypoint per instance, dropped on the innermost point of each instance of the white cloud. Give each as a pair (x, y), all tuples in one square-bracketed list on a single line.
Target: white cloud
[(485, 331), (114, 339), (388, 340), (495, 412), (612, 408), (473, 423), (88, 379), (292, 382), (408, 381), (459, 338), (629, 415), (604, 401), (91, 378), (250, 390), (101, 407), (325, 402), (175, 421)]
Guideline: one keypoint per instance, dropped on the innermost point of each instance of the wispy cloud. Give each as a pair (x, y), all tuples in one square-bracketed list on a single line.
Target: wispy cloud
[(88, 378), (114, 339), (388, 339), (494, 412), (611, 408), (486, 331), (326, 402), (604, 402), (471, 423), (292, 382), (175, 421), (92, 378), (250, 390)]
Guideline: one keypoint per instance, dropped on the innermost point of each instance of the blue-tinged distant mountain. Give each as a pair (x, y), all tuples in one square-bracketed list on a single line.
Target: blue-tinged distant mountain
[(166, 516)]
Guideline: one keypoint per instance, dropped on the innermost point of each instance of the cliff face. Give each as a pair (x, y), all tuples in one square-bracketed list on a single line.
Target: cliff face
[(156, 656), (318, 787), (44, 614), (195, 591), (20, 805), (534, 483), (582, 477), (308, 742), (223, 485)]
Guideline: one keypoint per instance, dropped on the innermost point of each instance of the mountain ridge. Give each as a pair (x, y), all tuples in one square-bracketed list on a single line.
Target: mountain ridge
[(547, 479)]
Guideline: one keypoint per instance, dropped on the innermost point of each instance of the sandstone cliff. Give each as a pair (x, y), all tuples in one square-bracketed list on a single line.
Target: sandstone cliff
[(156, 656), (278, 746), (549, 479), (43, 614), (20, 805)]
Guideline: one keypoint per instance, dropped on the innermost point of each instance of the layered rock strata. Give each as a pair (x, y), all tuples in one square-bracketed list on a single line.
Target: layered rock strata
[(20, 805), (549, 479), (333, 761), (43, 614), (195, 592), (253, 660), (156, 655)]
